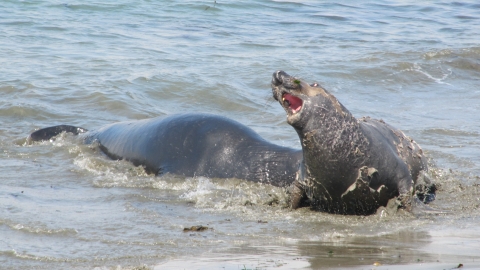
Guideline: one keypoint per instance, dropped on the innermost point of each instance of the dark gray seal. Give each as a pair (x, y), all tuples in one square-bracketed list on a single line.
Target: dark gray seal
[(349, 166), (191, 145)]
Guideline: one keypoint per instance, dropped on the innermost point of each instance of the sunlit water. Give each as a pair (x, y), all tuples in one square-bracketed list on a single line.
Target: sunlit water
[(64, 205)]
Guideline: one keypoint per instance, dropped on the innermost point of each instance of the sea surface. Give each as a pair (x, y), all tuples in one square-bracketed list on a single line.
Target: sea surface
[(65, 205)]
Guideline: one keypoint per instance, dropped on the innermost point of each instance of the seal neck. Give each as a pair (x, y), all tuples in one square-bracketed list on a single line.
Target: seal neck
[(333, 144)]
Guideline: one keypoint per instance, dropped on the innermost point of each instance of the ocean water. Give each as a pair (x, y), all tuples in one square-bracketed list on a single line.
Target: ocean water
[(65, 205)]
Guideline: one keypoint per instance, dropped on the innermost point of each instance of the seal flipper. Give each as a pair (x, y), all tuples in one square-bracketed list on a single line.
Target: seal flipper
[(298, 197), (298, 194), (46, 134)]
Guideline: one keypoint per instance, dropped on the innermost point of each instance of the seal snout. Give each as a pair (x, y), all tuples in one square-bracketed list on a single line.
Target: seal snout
[(278, 77)]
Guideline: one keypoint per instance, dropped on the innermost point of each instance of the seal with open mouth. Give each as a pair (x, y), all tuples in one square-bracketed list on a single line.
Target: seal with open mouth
[(349, 166)]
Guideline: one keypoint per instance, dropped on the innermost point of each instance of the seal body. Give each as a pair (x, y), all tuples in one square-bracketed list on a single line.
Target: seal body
[(192, 145), (349, 166)]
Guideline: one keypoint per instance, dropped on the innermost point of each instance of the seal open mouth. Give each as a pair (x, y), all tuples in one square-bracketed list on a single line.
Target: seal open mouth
[(292, 103)]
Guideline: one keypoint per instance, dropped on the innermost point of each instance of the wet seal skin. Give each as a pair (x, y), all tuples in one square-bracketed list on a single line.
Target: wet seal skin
[(349, 166), (191, 145)]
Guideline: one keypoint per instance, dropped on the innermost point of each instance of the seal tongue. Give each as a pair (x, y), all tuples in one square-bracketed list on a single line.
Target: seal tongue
[(294, 103)]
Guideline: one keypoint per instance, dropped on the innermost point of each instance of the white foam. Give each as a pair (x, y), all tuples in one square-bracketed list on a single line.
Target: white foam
[(202, 188)]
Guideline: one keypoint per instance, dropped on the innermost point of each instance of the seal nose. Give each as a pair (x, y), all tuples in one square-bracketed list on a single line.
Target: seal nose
[(278, 77)]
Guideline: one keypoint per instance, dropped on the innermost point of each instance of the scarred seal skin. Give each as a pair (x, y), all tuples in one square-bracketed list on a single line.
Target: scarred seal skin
[(349, 166)]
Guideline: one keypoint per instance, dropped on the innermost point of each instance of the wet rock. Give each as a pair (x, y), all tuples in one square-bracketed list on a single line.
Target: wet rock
[(198, 228)]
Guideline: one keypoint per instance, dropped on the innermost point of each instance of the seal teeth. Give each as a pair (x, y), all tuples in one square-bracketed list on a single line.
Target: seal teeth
[(285, 102)]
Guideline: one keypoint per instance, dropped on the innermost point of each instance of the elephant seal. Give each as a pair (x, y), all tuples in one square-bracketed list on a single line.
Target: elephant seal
[(349, 166), (191, 145)]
